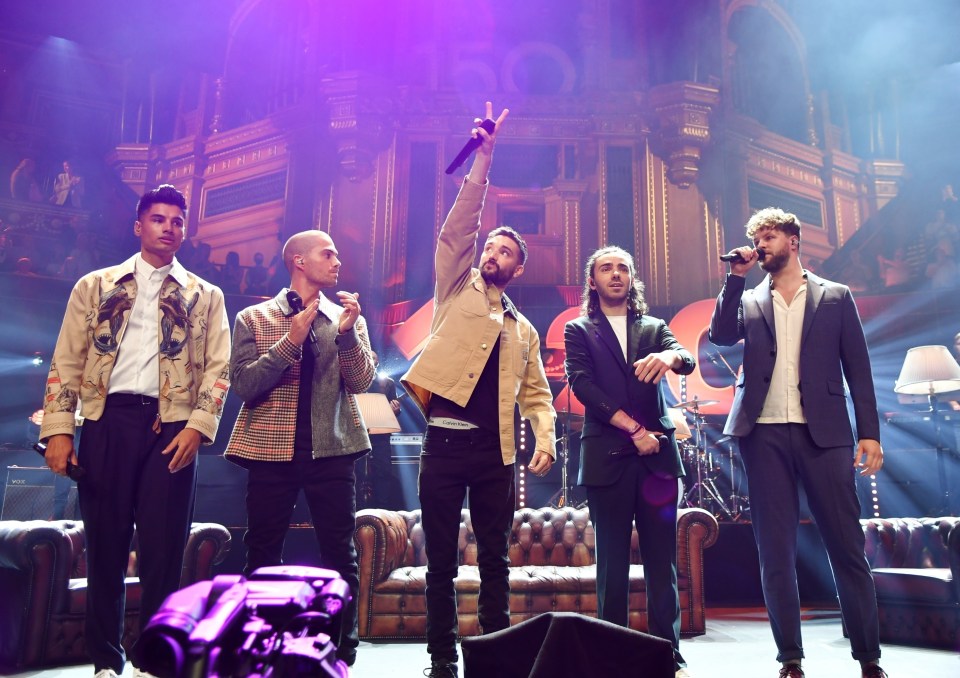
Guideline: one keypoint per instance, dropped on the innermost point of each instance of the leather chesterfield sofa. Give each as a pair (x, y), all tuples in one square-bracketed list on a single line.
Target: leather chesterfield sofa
[(552, 569), (916, 567), (43, 588)]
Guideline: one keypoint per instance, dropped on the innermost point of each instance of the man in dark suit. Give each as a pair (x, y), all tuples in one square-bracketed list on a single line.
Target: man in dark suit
[(629, 461), (802, 338)]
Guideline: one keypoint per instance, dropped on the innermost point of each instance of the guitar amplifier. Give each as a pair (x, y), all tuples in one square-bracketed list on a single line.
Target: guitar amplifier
[(405, 448), (36, 493)]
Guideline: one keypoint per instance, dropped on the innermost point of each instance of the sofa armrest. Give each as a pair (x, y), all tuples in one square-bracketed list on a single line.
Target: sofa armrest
[(697, 529), (381, 539), (953, 547), (207, 546), (36, 563)]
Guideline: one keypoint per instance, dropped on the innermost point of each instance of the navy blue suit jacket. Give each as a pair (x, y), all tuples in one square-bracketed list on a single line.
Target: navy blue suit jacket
[(832, 348), (604, 382)]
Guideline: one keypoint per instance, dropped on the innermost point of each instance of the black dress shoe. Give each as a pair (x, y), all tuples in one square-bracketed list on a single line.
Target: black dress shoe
[(874, 671), (442, 669), (791, 671)]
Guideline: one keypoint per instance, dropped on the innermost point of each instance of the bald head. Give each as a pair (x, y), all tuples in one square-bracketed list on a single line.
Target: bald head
[(302, 243)]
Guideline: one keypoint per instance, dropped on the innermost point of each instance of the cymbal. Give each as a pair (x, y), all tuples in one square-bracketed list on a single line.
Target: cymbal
[(693, 404)]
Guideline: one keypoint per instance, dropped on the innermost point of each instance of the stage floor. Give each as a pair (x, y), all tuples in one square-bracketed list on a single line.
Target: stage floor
[(737, 644)]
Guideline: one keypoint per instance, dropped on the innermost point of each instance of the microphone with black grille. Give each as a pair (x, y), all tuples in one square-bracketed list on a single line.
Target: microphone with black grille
[(296, 303)]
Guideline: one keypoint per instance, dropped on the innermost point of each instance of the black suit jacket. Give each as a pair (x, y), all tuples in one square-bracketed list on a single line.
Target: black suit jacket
[(604, 382), (832, 348)]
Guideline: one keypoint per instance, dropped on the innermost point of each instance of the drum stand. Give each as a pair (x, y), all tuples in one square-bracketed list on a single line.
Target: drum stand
[(704, 463), (562, 497)]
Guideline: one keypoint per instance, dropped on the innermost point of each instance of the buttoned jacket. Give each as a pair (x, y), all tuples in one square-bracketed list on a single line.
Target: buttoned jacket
[(468, 318), (833, 353), (193, 344), (265, 369)]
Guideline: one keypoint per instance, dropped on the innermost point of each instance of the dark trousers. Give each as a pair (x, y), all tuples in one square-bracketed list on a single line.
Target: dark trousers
[(451, 463), (128, 484), (651, 501), (329, 484), (778, 457)]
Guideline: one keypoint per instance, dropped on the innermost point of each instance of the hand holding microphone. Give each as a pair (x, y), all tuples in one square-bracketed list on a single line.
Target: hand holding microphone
[(302, 321), (737, 256)]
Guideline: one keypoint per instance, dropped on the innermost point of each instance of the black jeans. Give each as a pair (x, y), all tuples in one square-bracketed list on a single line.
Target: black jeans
[(451, 463), (329, 486)]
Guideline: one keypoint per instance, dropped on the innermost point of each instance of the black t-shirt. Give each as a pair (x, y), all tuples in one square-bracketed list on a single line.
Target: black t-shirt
[(483, 407)]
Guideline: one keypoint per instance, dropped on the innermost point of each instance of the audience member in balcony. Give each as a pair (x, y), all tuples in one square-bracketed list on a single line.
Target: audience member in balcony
[(942, 233), (68, 187), (630, 464), (942, 270), (231, 273), (23, 182), (70, 269), (144, 347), (202, 264), (257, 277), (480, 351), (802, 340), (24, 266), (298, 428), (894, 272)]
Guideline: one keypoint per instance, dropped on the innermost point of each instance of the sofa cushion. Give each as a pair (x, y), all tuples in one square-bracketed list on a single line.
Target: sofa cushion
[(917, 585)]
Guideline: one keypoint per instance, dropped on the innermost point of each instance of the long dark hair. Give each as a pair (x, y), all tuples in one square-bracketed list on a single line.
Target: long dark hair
[(590, 301)]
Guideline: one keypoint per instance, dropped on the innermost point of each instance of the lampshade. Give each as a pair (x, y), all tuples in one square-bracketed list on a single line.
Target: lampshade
[(377, 414), (928, 370), (680, 421)]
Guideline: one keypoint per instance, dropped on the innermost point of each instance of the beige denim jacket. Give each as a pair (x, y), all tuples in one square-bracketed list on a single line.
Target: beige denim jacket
[(468, 317), (194, 349)]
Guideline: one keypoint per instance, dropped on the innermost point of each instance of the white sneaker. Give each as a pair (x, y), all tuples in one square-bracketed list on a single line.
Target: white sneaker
[(137, 673), (683, 673), (105, 673)]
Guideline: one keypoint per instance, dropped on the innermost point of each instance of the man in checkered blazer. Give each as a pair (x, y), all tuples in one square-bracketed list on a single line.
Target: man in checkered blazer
[(297, 361)]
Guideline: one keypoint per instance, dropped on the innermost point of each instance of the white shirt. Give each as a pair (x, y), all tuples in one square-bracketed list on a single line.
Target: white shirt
[(782, 405), (619, 325), (137, 367)]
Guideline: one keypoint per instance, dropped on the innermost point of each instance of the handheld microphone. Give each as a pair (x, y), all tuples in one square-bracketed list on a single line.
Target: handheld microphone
[(296, 303), (75, 473), (471, 145), (734, 257)]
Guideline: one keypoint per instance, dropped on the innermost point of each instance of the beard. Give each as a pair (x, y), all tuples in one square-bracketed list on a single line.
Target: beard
[(497, 276), (773, 263)]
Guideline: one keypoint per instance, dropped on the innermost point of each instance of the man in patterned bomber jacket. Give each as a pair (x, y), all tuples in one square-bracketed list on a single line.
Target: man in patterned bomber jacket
[(144, 347), (299, 426)]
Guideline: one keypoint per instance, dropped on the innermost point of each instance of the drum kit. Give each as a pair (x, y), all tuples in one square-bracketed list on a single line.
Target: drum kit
[(705, 472), (704, 469)]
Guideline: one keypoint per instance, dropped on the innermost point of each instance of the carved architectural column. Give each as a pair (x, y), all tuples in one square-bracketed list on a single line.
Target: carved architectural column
[(562, 202), (359, 123), (683, 110)]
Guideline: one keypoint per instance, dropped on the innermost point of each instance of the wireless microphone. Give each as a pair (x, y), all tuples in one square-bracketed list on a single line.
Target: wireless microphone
[(472, 144), (75, 473), (296, 303), (734, 257)]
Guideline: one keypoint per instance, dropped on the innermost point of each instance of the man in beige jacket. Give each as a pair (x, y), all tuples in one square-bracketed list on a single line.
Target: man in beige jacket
[(144, 348), (481, 361)]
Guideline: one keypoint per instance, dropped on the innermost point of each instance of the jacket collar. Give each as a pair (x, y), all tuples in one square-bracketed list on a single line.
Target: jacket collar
[(604, 331), (177, 271), (329, 309)]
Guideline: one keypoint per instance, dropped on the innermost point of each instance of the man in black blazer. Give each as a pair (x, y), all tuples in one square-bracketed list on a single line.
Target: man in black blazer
[(802, 338), (629, 461)]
